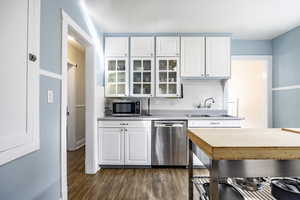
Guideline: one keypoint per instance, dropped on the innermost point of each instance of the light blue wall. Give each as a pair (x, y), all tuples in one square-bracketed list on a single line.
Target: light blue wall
[(33, 175), (286, 72), (286, 59), (37, 176), (251, 47), (286, 107)]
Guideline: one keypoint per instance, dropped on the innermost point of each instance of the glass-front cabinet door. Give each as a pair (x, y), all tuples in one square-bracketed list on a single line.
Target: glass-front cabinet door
[(116, 77), (142, 77), (167, 77)]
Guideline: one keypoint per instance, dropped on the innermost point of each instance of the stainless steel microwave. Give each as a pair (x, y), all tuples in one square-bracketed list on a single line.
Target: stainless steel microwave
[(126, 108)]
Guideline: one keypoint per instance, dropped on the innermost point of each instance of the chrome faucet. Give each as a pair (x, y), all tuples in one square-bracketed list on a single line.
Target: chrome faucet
[(207, 100)]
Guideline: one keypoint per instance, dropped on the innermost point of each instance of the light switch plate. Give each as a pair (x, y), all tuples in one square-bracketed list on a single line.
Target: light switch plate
[(50, 96)]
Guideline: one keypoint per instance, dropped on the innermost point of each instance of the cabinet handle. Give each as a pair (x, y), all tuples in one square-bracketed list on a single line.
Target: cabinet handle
[(215, 123), (125, 129), (125, 54)]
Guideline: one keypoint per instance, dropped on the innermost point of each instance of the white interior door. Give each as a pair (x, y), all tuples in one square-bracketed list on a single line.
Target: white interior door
[(249, 85), (19, 78)]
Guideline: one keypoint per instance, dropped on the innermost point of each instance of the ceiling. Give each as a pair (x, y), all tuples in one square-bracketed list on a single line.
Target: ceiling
[(246, 19)]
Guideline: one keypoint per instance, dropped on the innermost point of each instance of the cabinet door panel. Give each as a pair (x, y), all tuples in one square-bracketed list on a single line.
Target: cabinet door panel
[(167, 77), (192, 56), (137, 146), (116, 46), (18, 78), (218, 56), (111, 146), (116, 77), (142, 77), (142, 46), (167, 46)]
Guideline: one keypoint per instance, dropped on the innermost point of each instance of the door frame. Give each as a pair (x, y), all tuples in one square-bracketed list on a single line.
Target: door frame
[(69, 26), (269, 60)]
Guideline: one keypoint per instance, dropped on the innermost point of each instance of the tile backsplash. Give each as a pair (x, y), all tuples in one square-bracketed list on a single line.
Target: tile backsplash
[(195, 92)]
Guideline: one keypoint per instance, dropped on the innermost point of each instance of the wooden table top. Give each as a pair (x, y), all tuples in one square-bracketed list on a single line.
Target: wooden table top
[(247, 144)]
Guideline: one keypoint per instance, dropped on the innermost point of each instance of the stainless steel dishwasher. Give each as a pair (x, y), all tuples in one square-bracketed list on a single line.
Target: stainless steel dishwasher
[(169, 143)]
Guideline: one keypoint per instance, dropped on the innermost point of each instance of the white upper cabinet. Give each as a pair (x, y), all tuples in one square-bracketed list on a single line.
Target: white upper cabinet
[(167, 46), (142, 46), (116, 77), (192, 56), (142, 66), (116, 46), (142, 77), (19, 78), (167, 77), (218, 56)]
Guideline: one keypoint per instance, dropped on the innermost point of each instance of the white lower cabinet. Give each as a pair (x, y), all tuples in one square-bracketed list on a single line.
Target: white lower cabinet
[(214, 123), (111, 146), (137, 148), (124, 144)]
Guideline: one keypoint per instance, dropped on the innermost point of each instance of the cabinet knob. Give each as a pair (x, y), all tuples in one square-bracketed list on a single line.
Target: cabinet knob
[(32, 57)]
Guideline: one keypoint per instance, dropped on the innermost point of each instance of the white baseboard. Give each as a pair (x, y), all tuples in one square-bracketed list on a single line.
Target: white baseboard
[(79, 144)]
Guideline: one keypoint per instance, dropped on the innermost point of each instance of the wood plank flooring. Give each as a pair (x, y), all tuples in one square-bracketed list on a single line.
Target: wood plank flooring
[(125, 184)]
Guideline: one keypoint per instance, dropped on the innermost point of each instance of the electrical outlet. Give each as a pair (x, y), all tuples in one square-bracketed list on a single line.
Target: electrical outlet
[(50, 96)]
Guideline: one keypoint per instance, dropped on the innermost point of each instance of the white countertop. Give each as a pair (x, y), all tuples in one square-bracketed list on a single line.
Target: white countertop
[(167, 116)]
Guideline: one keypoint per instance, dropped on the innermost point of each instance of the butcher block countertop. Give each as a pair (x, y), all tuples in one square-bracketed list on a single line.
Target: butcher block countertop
[(248, 144)]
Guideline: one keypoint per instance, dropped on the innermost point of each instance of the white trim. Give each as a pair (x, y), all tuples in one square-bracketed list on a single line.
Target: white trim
[(31, 141), (80, 143), (269, 81), (69, 26), (291, 87), (50, 74)]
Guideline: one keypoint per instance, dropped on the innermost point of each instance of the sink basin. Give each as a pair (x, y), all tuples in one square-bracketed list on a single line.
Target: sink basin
[(198, 115)]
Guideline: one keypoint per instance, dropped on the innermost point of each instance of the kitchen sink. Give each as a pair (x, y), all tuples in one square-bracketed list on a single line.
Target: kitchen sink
[(197, 115), (201, 115)]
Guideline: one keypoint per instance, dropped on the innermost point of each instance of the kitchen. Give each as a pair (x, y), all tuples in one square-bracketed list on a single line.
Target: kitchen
[(150, 100), (130, 127)]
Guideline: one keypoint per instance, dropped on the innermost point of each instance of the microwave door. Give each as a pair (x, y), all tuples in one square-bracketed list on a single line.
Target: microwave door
[(124, 109)]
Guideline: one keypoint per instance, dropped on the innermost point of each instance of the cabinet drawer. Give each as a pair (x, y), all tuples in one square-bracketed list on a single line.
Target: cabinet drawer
[(214, 123), (119, 123)]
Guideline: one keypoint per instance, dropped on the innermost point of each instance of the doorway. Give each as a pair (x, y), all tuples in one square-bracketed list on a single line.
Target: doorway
[(71, 28), (249, 89), (76, 95)]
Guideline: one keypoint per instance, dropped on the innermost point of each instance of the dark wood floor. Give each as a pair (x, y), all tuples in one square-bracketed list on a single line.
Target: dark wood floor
[(125, 184)]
